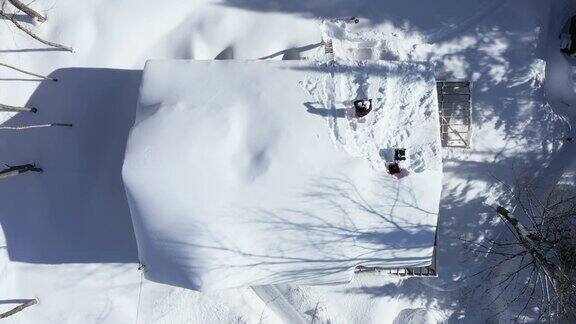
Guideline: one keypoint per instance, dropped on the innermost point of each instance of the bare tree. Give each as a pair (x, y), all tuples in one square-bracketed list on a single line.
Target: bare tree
[(19, 308), (532, 270), (12, 171)]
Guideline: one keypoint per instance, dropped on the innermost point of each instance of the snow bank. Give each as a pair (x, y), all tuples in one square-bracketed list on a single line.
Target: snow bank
[(237, 176)]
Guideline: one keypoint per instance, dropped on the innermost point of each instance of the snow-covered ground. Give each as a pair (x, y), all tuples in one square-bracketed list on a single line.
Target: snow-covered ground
[(67, 232)]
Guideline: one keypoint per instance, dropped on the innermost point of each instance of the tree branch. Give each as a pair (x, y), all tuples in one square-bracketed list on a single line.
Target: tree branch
[(19, 308), (13, 171), (17, 109), (529, 244), (34, 126), (27, 72), (27, 10), (31, 34)]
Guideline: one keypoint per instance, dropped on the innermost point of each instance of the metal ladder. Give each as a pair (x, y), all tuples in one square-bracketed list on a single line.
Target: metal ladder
[(428, 271), (455, 104)]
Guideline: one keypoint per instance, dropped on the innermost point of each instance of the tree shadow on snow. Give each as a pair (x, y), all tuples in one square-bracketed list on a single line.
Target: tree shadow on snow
[(76, 210), (437, 17), (375, 232), (508, 103), (461, 217)]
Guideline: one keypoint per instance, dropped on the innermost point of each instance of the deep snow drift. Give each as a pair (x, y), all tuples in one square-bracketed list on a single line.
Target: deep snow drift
[(254, 172)]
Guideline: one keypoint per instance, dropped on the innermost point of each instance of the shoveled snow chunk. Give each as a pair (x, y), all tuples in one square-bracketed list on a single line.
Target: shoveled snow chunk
[(233, 180)]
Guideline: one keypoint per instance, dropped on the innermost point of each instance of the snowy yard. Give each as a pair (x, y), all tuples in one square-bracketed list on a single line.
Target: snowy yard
[(67, 237)]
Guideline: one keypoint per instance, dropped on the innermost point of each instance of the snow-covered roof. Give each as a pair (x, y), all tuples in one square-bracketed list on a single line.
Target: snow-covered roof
[(255, 172)]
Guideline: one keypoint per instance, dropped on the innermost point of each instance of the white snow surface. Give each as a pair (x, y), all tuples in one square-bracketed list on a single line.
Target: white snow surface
[(246, 173), (67, 236)]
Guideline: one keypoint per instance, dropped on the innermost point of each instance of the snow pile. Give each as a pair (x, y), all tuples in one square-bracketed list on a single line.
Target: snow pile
[(234, 179)]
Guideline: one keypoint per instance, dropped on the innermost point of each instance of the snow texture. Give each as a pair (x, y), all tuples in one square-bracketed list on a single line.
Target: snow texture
[(255, 172), (67, 236)]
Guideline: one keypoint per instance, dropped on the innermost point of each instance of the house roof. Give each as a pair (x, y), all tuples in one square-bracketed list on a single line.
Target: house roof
[(256, 172)]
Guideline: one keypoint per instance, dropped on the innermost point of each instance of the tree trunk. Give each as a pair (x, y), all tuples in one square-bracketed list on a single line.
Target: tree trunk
[(13, 171), (29, 73), (34, 126), (27, 10), (529, 244), (19, 308), (17, 109)]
